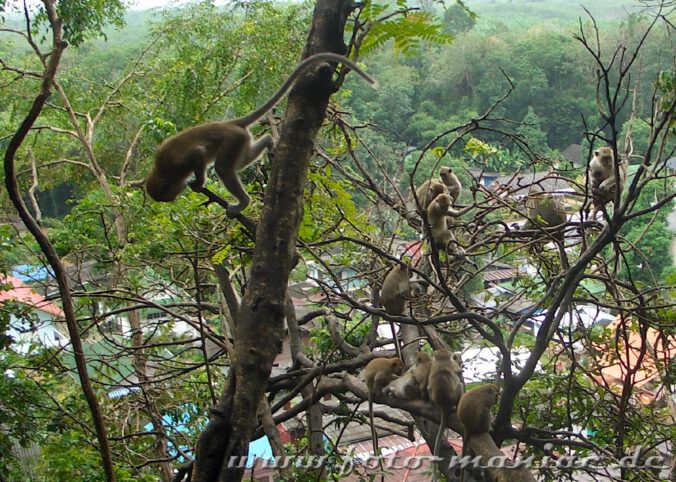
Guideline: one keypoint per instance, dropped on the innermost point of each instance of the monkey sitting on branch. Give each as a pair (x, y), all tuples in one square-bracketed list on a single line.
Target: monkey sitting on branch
[(396, 290), (602, 180), (453, 184), (474, 413), (227, 144), (378, 373), (413, 384), (547, 212), (445, 389)]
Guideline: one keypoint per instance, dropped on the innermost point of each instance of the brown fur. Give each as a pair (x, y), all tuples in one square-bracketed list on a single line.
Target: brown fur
[(378, 373), (445, 388), (429, 190), (452, 183), (546, 211), (602, 177), (396, 290), (436, 215), (474, 413), (413, 384), (227, 144), (381, 371)]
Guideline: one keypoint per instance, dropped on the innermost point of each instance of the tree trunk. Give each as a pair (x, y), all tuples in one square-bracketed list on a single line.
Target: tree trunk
[(260, 320)]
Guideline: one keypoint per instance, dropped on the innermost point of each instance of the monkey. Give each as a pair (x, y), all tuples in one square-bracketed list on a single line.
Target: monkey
[(437, 213), (413, 384), (548, 212), (396, 290), (429, 190), (377, 374), (228, 144), (452, 183), (602, 177), (474, 413), (381, 371), (445, 388)]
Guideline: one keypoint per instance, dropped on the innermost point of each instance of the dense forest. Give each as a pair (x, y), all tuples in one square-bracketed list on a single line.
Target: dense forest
[(144, 340)]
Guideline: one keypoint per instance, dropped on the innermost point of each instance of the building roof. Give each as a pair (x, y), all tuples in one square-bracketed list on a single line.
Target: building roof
[(523, 184), (498, 275), (21, 293), (619, 362), (573, 153)]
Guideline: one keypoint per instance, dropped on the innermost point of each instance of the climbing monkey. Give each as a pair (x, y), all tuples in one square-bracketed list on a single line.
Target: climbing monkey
[(228, 144), (437, 214), (602, 177)]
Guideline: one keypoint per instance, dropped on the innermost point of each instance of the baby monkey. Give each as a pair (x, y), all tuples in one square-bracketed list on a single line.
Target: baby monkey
[(445, 389), (474, 412), (228, 144), (452, 183)]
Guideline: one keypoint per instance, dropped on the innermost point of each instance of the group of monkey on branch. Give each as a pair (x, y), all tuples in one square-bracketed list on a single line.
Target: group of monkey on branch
[(438, 379)]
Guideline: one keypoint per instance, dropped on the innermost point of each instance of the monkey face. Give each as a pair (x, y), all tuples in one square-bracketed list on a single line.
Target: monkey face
[(422, 357), (443, 201), (162, 189), (605, 155), (445, 173), (493, 392)]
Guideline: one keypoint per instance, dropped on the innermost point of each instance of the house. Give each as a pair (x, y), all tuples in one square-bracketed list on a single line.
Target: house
[(485, 178), (34, 320), (573, 153), (521, 185), (640, 356)]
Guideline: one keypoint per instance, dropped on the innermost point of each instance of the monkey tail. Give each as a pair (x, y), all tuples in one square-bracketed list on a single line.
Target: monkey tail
[(249, 119), (437, 442), (465, 452), (374, 437)]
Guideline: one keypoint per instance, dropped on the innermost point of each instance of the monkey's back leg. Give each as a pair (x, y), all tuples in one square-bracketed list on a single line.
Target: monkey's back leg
[(233, 152)]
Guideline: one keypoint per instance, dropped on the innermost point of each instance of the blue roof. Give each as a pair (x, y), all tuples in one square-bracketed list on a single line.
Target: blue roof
[(259, 448), (29, 272)]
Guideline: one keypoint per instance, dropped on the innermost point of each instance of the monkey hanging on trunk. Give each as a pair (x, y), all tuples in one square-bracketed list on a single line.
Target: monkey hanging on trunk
[(228, 144)]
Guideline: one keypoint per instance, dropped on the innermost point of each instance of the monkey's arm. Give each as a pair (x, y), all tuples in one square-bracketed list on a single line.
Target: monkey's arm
[(454, 213), (200, 180), (608, 184)]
